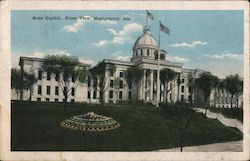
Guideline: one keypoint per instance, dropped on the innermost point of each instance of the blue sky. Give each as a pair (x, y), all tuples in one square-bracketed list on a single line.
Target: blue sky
[(210, 40)]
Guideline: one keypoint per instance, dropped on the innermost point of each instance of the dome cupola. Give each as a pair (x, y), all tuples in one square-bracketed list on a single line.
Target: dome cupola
[(145, 45)]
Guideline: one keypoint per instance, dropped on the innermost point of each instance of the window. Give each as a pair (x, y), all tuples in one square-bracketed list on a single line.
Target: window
[(182, 88), (190, 89), (57, 76), (148, 52), (189, 98), (111, 73), (48, 75), (56, 90), (56, 100), (47, 99), (111, 84), (120, 94), (94, 95), (182, 98), (121, 84), (40, 75), (129, 95), (38, 99), (182, 80), (88, 94), (39, 89), (121, 74), (141, 52), (65, 90), (72, 100), (110, 94), (89, 81), (73, 91), (65, 77), (73, 78), (129, 84), (95, 83), (48, 90)]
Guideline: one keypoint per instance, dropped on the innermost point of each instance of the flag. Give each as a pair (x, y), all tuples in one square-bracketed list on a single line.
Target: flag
[(164, 28), (150, 15)]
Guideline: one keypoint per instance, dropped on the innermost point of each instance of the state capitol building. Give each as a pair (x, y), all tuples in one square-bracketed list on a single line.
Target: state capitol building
[(143, 57)]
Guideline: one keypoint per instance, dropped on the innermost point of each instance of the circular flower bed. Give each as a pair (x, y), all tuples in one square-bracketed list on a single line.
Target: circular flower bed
[(90, 122)]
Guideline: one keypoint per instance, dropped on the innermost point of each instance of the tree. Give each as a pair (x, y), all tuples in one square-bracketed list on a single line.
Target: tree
[(234, 86), (184, 116), (191, 87), (220, 86), (30, 80), (178, 85), (100, 75), (167, 75), (73, 73), (16, 80), (206, 82), (134, 75), (116, 86)]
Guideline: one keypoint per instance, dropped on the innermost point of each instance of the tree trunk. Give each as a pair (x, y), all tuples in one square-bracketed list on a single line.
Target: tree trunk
[(65, 103), (166, 90), (181, 142), (206, 106), (191, 100), (237, 101), (17, 95), (101, 98), (232, 101), (178, 93), (30, 93)]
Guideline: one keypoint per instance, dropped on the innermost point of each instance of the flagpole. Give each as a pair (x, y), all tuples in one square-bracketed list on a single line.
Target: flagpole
[(158, 69)]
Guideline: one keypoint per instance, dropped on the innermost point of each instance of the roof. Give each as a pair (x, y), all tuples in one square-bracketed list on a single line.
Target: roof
[(146, 40), (42, 60)]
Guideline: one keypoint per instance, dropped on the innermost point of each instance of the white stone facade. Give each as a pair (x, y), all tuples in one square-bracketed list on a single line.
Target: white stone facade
[(47, 87)]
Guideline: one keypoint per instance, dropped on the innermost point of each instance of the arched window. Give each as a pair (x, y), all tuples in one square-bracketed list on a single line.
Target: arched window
[(148, 52), (141, 52)]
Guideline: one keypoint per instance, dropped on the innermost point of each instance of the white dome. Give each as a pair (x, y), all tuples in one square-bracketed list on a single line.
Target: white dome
[(146, 40)]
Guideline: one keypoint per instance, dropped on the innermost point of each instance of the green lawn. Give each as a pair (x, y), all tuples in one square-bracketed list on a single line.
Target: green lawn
[(230, 112), (36, 127)]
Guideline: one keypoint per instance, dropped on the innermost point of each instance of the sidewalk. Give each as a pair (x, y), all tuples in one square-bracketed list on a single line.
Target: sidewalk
[(234, 146), (224, 120)]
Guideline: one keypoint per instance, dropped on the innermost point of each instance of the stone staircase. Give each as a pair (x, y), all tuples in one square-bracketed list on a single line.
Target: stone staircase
[(223, 119)]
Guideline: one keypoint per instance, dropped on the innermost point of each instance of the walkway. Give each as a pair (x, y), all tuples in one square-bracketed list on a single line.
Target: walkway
[(234, 146), (224, 120)]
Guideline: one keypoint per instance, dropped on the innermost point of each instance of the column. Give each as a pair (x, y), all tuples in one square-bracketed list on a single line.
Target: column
[(151, 84), (144, 84)]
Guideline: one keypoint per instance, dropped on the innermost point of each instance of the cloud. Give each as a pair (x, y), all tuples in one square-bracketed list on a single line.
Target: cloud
[(123, 58), (191, 45), (226, 55), (101, 43), (121, 37), (176, 58), (75, 27)]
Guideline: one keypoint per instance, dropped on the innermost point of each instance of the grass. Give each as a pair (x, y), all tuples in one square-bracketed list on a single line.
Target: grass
[(36, 127), (230, 112)]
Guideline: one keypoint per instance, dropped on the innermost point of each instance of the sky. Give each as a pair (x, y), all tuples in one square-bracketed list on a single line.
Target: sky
[(209, 39)]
